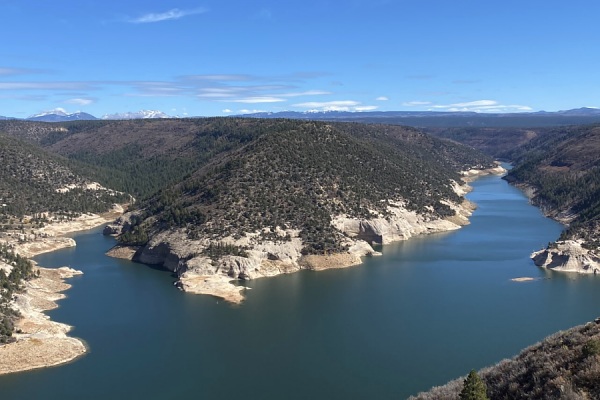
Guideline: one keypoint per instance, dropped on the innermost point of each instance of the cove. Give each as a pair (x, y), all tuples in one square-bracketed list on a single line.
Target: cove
[(427, 311)]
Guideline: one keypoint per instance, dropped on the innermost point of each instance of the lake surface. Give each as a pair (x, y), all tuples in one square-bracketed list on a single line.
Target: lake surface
[(427, 311)]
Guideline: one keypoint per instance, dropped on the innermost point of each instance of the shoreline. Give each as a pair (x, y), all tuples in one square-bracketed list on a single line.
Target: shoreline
[(41, 342), (199, 274), (565, 256)]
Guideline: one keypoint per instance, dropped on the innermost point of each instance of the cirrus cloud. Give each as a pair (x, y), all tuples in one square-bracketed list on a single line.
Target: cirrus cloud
[(336, 105), (81, 101), (258, 99), (172, 14), (489, 106), (416, 103)]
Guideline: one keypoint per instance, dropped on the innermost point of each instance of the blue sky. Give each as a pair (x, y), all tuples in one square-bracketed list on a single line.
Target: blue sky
[(203, 58)]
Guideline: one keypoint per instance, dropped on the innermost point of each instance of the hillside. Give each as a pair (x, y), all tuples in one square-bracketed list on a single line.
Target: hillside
[(36, 188), (139, 156), (563, 169), (33, 181), (493, 141), (299, 174), (142, 156), (272, 189), (14, 269), (565, 365), (292, 189)]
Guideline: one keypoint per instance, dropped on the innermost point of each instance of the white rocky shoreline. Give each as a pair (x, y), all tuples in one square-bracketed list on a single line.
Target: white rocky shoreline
[(568, 256), (563, 255), (41, 342), (201, 275)]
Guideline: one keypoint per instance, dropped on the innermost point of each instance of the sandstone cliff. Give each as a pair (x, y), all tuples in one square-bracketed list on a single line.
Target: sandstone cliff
[(568, 256)]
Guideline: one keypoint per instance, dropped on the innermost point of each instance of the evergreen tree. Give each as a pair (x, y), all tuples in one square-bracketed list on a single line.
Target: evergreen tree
[(474, 388)]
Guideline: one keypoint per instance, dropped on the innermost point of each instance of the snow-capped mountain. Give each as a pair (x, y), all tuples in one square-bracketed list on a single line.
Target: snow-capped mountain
[(142, 114), (60, 115)]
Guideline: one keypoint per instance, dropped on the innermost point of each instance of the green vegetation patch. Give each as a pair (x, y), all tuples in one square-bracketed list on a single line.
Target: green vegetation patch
[(22, 269), (296, 175)]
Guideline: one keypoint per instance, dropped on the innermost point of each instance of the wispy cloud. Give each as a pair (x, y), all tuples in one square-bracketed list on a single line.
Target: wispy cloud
[(16, 71), (306, 93), (36, 97), (489, 106), (224, 88), (80, 101), (257, 99), (338, 105), (47, 86), (172, 14), (365, 108), (219, 77), (246, 111), (382, 98), (416, 103), (320, 104)]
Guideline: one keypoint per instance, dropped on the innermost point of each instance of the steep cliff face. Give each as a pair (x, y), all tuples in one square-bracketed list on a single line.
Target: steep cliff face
[(568, 256), (400, 224)]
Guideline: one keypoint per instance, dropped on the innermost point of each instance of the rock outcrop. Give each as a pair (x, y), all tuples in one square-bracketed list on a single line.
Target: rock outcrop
[(200, 274), (120, 225), (568, 256), (400, 224), (281, 253)]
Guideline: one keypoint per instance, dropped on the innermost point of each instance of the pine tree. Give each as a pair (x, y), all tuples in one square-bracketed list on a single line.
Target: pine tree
[(474, 388)]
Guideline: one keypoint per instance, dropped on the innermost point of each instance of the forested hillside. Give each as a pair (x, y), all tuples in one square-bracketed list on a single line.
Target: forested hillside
[(140, 156), (33, 181), (242, 171), (36, 187), (13, 270), (496, 142), (297, 175), (563, 166)]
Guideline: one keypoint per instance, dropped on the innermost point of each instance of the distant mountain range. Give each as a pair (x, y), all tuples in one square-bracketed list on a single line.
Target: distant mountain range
[(430, 119), (59, 115), (142, 114), (400, 114), (411, 118)]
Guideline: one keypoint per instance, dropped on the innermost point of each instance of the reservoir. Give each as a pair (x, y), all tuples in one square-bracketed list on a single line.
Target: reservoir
[(427, 311)]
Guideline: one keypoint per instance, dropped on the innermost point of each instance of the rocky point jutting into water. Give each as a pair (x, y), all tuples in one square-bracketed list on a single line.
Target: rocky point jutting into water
[(298, 195), (567, 256), (560, 172), (558, 168), (199, 273)]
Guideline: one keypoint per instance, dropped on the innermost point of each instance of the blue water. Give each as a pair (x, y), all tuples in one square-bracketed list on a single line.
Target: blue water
[(427, 311)]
